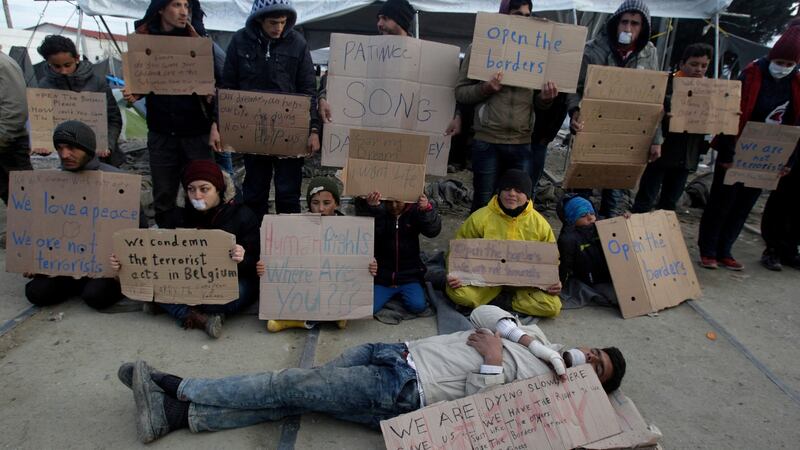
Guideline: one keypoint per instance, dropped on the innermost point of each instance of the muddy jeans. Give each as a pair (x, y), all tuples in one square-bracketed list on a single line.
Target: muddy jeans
[(365, 384)]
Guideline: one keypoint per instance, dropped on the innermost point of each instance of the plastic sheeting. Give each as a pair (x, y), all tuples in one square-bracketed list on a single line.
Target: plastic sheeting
[(230, 15)]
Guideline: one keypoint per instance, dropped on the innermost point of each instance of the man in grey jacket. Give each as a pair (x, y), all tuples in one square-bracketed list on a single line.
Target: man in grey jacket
[(14, 145), (623, 42), (366, 384)]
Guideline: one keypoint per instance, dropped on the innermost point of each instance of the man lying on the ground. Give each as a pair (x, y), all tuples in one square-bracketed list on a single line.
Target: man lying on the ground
[(365, 384)]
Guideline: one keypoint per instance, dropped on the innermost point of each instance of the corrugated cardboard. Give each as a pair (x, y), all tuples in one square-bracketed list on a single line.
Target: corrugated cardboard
[(611, 148), (625, 85), (169, 65), (486, 262), (390, 163), (529, 52), (612, 176), (317, 268), (607, 116), (705, 106), (636, 433), (177, 266), (648, 261), (62, 223), (49, 107), (762, 151), (537, 413), (390, 83), (264, 123)]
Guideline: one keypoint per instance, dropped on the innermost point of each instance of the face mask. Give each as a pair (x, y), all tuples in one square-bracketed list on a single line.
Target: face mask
[(574, 357), (625, 37), (199, 205), (778, 71)]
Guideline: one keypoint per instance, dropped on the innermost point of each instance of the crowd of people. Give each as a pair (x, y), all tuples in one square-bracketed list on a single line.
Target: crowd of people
[(193, 188)]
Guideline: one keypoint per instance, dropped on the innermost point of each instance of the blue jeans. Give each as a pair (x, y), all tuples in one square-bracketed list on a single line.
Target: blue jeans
[(365, 384), (538, 158), (489, 162), (248, 293), (411, 293), (258, 176)]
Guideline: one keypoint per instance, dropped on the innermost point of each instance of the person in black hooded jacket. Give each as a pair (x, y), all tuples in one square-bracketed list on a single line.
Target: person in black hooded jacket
[(65, 71), (269, 55)]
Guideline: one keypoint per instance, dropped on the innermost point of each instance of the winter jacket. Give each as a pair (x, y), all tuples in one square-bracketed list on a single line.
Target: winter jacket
[(447, 368), (581, 255), (762, 95), (490, 222), (679, 150), (505, 117), (13, 103), (85, 80), (254, 62), (397, 243), (601, 51)]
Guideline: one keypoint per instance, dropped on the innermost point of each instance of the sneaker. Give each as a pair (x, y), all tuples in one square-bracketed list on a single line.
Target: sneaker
[(151, 418), (125, 374), (770, 261), (731, 264), (210, 323), (708, 263), (793, 262)]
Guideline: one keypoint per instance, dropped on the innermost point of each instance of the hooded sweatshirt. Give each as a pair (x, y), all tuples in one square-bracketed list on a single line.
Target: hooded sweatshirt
[(85, 80), (256, 62)]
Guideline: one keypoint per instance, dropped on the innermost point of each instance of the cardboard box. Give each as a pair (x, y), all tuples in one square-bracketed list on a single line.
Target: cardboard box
[(186, 266), (762, 151), (636, 433), (705, 106), (47, 108), (486, 262), (648, 261), (529, 52), (168, 65)]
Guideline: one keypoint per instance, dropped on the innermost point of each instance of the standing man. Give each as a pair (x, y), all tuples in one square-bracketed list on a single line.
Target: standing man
[(623, 42), (680, 152), (178, 125), (269, 55), (14, 145), (503, 122)]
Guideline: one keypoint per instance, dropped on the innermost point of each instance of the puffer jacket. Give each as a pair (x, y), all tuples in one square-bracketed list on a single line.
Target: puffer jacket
[(85, 80), (490, 222)]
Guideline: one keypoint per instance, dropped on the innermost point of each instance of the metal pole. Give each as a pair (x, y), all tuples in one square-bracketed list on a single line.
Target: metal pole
[(79, 30), (670, 43), (574, 16), (7, 12), (716, 45), (416, 24)]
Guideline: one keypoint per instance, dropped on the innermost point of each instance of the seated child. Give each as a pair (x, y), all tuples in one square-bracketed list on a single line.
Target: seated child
[(583, 268), (400, 270), (209, 195), (508, 216)]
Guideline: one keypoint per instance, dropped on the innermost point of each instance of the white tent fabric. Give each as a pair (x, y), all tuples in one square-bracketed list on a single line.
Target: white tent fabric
[(230, 15)]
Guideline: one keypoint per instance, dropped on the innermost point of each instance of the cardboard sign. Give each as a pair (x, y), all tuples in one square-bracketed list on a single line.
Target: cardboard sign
[(47, 108), (621, 109), (648, 261), (317, 267), (485, 262), (62, 223), (527, 51), (264, 123), (390, 163), (168, 65), (390, 83), (762, 151), (537, 413), (636, 433), (705, 106), (177, 266)]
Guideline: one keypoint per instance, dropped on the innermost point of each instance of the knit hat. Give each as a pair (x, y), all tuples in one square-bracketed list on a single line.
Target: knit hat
[(322, 184), (263, 7), (618, 362), (631, 6), (206, 170), (400, 11), (788, 46), (516, 179), (577, 208), (76, 134)]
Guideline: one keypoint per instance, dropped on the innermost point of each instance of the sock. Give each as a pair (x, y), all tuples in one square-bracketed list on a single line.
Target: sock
[(169, 383), (177, 413)]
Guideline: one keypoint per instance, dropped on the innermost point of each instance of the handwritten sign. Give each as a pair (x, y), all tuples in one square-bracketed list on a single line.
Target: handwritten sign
[(264, 123), (485, 262), (49, 107), (177, 266), (648, 261), (169, 65), (635, 431), (621, 109), (529, 52), (390, 163), (317, 268), (539, 413), (62, 223), (705, 106), (390, 83), (762, 151)]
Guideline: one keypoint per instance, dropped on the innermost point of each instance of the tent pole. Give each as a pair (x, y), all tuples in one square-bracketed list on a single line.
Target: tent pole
[(716, 45), (8, 14), (79, 31), (574, 16), (416, 24), (111, 35)]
